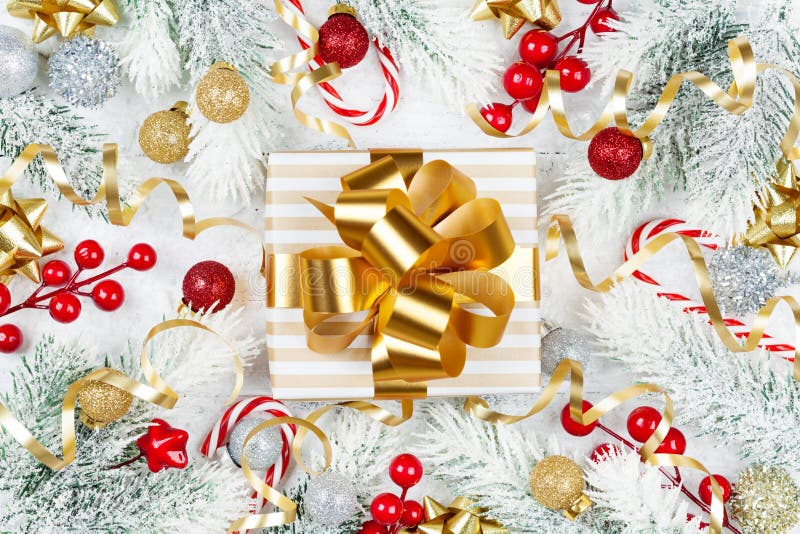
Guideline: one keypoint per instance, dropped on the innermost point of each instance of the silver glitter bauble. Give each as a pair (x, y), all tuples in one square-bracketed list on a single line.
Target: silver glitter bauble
[(744, 278), (330, 499), (765, 499), (19, 63), (85, 72), (265, 447), (562, 343)]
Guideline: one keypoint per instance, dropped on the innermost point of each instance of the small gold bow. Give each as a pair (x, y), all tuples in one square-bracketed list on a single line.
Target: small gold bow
[(66, 18), (461, 517), (777, 226), (23, 240), (514, 13)]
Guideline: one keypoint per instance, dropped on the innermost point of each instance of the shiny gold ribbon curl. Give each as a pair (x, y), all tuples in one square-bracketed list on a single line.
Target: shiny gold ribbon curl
[(66, 18), (513, 14), (460, 517)]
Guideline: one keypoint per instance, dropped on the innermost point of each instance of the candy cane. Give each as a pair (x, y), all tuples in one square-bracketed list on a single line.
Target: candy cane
[(333, 99), (649, 231), (218, 436)]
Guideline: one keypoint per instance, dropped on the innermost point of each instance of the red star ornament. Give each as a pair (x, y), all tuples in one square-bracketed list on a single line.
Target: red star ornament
[(164, 446)]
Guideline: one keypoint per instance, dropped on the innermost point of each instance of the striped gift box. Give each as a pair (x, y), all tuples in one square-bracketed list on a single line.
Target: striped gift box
[(294, 225)]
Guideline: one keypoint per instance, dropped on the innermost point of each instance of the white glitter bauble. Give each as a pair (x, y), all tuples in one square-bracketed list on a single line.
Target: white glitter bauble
[(19, 63), (85, 72), (265, 447), (330, 499), (562, 343)]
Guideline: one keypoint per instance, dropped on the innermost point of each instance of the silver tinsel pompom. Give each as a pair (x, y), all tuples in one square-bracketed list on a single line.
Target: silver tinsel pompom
[(19, 63), (743, 278), (330, 499), (85, 72), (265, 447), (765, 499), (562, 343)]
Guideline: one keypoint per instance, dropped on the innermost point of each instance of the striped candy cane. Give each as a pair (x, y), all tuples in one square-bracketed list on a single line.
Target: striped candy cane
[(334, 100), (219, 435), (649, 231)]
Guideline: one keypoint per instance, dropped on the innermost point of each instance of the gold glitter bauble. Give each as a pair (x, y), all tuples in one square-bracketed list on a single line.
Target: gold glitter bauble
[(164, 136), (222, 94), (557, 482), (765, 499), (102, 403)]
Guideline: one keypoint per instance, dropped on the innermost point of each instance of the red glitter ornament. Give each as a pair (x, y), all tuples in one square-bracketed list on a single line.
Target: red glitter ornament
[(208, 284), (342, 38), (615, 155)]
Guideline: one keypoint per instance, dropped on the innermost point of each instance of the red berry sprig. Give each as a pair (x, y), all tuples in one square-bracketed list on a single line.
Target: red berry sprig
[(641, 424), (63, 303), (539, 51), (390, 512)]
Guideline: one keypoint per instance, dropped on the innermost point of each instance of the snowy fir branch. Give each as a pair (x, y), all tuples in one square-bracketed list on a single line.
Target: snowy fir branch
[(745, 400)]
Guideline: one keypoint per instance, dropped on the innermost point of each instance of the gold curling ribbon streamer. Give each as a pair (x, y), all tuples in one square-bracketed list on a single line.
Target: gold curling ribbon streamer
[(460, 517), (513, 14), (66, 18)]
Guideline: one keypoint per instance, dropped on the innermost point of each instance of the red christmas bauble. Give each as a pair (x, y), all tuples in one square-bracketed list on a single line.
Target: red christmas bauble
[(413, 514), (522, 81), (577, 429), (531, 104), (108, 295), (704, 489), (164, 446), (603, 451), (614, 155), (674, 442), (599, 23), (642, 422), (56, 273), (142, 257), (574, 73), (405, 470), (386, 508), (208, 284), (10, 338), (538, 47), (65, 307), (89, 254), (343, 40), (498, 115), (5, 299), (372, 527)]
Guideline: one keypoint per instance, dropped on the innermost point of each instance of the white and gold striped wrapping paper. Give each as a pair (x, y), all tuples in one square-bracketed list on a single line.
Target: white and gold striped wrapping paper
[(293, 225)]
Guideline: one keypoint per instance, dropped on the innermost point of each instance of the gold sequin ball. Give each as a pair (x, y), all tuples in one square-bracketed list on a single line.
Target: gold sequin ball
[(102, 403), (164, 136), (222, 95), (557, 482), (765, 499)]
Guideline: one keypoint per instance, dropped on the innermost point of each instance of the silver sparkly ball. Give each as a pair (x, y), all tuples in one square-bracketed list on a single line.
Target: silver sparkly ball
[(330, 499), (562, 343), (19, 63), (85, 72), (265, 447), (744, 278)]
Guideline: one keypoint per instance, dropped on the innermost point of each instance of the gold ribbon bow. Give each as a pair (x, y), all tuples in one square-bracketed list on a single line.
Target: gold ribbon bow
[(23, 240), (514, 13), (461, 517), (777, 225), (419, 248), (66, 18)]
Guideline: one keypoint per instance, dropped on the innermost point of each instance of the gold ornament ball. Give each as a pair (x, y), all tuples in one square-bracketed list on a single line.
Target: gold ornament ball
[(164, 136), (102, 403), (557, 482), (765, 499), (222, 95)]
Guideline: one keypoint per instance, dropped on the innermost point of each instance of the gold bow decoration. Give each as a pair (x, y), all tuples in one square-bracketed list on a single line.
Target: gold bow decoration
[(777, 226), (461, 517), (23, 239), (513, 14), (66, 18), (418, 254)]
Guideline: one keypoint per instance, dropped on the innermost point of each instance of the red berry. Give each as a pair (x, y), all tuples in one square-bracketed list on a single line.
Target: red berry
[(538, 47), (372, 527), (413, 514), (108, 295), (10, 338), (674, 443), (386, 508), (530, 104), (65, 307), (575, 73), (56, 273), (5, 299), (89, 254), (615, 155), (498, 115), (599, 23), (405, 470), (522, 81), (574, 428), (142, 257), (705, 488), (642, 422), (603, 451)]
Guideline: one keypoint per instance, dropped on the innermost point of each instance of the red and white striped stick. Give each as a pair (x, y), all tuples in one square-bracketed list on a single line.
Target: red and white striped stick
[(649, 231)]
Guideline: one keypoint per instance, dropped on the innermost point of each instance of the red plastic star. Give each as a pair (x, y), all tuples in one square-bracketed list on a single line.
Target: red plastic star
[(164, 446)]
